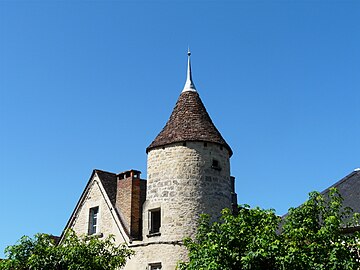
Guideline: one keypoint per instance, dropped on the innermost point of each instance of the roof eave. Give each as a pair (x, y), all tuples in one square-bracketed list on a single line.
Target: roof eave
[(151, 147)]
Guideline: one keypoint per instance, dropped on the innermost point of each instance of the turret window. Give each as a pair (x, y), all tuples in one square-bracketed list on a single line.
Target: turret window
[(154, 221), (215, 165)]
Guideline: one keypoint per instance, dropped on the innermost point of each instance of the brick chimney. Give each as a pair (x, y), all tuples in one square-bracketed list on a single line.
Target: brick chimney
[(130, 196)]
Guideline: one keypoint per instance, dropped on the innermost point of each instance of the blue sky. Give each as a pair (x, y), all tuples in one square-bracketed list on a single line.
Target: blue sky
[(89, 84)]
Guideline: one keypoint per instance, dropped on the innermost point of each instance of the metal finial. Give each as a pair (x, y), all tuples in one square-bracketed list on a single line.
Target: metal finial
[(189, 85)]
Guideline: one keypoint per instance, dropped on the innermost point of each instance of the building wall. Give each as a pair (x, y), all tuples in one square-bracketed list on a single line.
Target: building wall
[(183, 183), (167, 254), (106, 216)]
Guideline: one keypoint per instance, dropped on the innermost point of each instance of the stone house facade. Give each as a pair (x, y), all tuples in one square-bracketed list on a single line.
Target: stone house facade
[(188, 173)]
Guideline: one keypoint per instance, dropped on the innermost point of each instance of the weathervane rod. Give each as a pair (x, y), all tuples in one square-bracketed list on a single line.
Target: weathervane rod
[(189, 84)]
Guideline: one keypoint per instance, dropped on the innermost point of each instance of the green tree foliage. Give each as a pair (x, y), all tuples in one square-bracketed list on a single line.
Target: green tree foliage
[(41, 253), (245, 241), (309, 237), (313, 235)]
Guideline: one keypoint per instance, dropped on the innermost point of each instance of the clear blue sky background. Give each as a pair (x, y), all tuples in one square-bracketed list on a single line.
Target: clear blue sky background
[(89, 84)]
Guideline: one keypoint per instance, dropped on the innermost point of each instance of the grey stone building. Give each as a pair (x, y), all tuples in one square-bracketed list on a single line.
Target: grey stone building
[(188, 169)]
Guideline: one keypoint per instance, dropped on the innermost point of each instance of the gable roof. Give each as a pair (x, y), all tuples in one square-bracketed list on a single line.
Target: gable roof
[(108, 181), (189, 121), (349, 188)]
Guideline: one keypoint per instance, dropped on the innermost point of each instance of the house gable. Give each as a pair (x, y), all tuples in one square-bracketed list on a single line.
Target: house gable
[(100, 192)]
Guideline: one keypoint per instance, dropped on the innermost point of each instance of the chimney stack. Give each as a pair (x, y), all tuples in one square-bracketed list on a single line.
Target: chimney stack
[(130, 195)]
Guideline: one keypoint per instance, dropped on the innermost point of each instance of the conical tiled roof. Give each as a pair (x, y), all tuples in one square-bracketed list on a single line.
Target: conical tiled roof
[(189, 121)]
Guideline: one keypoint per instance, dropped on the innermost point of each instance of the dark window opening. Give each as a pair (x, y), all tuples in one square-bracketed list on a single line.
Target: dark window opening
[(205, 144), (155, 266), (184, 143), (215, 165), (155, 221), (93, 220)]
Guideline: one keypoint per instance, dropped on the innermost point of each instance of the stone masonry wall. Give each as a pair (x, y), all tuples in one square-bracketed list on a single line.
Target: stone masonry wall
[(183, 183), (166, 254), (106, 222)]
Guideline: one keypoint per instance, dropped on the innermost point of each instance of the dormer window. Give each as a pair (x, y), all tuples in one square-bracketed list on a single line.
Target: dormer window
[(93, 220)]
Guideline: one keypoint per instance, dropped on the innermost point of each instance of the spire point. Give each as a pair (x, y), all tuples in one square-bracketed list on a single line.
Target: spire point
[(189, 84)]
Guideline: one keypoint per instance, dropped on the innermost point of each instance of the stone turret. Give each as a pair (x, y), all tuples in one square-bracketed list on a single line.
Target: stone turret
[(188, 174), (189, 121)]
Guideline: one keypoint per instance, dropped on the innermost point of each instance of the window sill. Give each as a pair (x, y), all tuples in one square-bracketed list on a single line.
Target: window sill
[(95, 235), (153, 234)]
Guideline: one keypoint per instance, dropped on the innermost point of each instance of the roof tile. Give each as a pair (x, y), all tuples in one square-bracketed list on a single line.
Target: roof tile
[(189, 121)]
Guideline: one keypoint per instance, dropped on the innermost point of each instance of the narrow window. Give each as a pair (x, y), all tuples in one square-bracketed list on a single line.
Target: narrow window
[(215, 165), (155, 266), (93, 220), (155, 221)]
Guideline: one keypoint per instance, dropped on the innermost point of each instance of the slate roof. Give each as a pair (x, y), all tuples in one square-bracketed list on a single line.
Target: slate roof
[(189, 121), (109, 183), (349, 188)]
